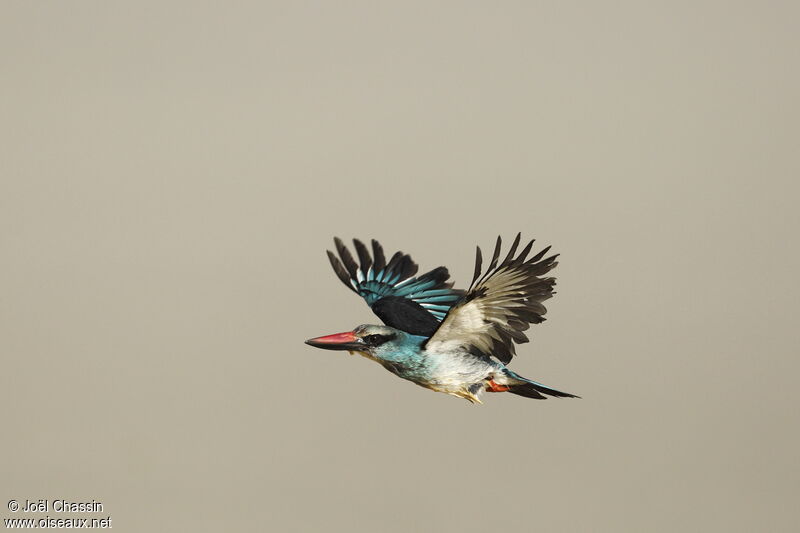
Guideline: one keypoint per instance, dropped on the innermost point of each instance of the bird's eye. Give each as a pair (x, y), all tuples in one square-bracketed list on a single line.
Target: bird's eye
[(377, 340), (373, 339)]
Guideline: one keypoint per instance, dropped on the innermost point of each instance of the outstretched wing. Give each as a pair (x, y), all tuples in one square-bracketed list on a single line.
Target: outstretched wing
[(413, 305), (500, 305)]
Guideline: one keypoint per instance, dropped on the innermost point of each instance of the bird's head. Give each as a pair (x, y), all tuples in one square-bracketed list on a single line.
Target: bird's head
[(367, 339)]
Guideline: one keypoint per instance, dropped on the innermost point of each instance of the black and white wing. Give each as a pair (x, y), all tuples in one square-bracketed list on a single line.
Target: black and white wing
[(500, 305)]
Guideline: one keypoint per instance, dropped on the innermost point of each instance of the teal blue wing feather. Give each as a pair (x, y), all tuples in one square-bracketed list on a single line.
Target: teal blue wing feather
[(412, 303)]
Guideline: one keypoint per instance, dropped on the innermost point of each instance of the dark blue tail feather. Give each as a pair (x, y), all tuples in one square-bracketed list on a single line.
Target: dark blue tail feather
[(531, 389)]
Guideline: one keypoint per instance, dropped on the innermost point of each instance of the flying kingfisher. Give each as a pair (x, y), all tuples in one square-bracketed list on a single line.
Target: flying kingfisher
[(441, 338)]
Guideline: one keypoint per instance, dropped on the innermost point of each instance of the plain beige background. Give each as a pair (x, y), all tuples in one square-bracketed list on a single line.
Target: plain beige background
[(172, 173)]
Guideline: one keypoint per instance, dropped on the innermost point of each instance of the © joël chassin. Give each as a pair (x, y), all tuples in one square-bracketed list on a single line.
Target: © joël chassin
[(444, 339)]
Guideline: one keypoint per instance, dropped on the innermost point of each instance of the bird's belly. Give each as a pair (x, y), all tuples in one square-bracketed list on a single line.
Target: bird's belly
[(458, 376)]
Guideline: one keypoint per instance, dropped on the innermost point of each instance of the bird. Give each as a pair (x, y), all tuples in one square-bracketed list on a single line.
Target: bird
[(458, 342)]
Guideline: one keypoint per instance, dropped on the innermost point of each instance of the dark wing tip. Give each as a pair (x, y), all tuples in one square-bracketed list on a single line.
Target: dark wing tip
[(377, 253), (539, 255), (512, 250), (524, 253), (341, 273), (363, 256), (347, 259), (478, 263)]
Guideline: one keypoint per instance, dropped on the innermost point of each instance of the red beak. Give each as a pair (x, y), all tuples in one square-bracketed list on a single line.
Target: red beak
[(337, 341)]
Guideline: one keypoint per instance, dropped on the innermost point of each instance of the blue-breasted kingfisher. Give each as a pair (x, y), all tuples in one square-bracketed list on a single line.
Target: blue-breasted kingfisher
[(445, 339)]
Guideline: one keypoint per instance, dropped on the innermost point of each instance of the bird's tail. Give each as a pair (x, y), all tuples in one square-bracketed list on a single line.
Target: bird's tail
[(531, 389)]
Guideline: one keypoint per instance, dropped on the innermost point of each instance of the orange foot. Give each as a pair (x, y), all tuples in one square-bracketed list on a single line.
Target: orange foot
[(491, 386)]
